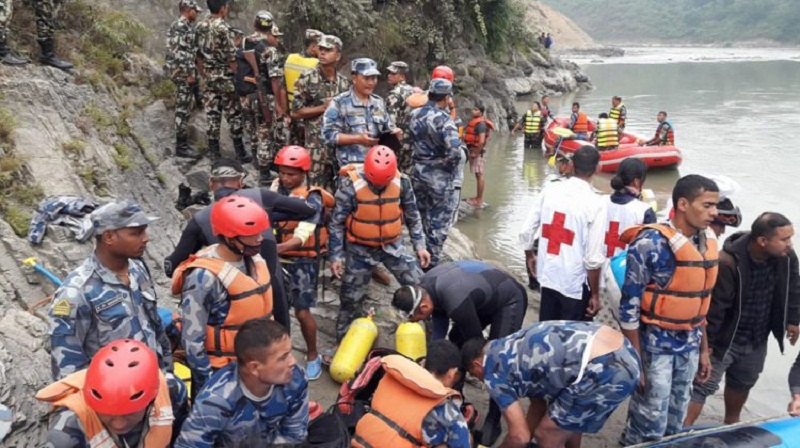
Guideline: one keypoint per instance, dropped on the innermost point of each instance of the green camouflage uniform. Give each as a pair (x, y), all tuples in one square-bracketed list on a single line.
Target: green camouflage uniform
[(397, 109), (45, 24), (216, 49), (311, 90), (275, 135), (179, 66)]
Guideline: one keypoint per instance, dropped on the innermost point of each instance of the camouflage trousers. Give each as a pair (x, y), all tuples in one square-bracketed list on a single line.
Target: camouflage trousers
[(323, 172), (256, 130), (404, 159), (660, 410), (302, 282), (436, 209), (183, 106), (358, 265), (219, 98), (45, 24)]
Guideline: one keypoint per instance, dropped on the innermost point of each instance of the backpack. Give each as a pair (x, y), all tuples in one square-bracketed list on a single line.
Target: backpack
[(327, 431)]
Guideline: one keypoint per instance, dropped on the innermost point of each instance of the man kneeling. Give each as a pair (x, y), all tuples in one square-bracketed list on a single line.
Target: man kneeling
[(582, 369), (259, 400), (120, 400), (415, 406)]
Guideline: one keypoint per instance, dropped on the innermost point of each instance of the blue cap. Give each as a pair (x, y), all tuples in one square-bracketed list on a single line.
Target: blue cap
[(365, 66), (119, 215), (441, 87)]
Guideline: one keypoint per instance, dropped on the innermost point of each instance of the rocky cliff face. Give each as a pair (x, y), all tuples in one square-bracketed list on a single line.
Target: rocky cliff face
[(106, 132)]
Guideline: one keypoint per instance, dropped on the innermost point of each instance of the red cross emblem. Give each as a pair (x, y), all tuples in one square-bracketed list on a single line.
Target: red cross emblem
[(612, 239), (557, 234)]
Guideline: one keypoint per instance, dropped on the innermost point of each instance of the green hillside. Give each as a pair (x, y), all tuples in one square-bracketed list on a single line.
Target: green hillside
[(687, 21)]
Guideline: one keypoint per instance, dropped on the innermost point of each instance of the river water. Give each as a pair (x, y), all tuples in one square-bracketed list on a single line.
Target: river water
[(735, 113)]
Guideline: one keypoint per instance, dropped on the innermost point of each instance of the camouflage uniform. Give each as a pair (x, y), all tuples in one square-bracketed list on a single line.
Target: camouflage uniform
[(669, 358), (545, 361), (216, 49), (93, 307), (62, 210), (359, 260), (45, 22), (226, 414), (348, 115), (272, 135), (180, 66), (65, 429), (436, 156), (311, 90), (303, 271), (445, 424), (204, 301), (397, 109)]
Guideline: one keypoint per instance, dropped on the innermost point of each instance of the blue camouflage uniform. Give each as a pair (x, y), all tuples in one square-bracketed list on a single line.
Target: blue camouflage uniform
[(303, 271), (669, 358), (445, 424), (94, 307), (347, 114), (437, 153), (226, 414), (65, 429), (67, 211), (204, 301), (359, 260), (545, 361)]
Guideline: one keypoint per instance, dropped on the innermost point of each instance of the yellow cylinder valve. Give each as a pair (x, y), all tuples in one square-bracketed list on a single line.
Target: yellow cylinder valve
[(410, 340), (353, 350)]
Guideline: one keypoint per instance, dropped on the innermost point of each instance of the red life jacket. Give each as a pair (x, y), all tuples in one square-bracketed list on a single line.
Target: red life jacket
[(581, 124), (470, 136)]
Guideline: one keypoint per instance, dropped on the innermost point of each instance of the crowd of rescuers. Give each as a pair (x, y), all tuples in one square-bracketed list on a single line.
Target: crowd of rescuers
[(347, 177)]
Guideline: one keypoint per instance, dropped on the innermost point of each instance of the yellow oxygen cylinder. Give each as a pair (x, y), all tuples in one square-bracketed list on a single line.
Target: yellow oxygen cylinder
[(410, 340), (354, 349), (184, 374), (649, 197)]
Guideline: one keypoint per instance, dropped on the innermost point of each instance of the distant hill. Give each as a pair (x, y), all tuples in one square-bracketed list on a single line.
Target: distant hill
[(541, 17), (685, 21)]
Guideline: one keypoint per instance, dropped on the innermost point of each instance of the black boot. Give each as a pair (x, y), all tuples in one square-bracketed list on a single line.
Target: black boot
[(213, 150), (182, 148), (8, 58), (49, 57), (241, 153)]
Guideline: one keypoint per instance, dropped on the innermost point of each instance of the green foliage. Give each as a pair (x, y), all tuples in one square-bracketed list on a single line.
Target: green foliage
[(162, 179), (73, 146), (122, 156), (700, 21), (7, 124), (164, 90), (99, 117), (16, 218), (101, 37), (345, 19)]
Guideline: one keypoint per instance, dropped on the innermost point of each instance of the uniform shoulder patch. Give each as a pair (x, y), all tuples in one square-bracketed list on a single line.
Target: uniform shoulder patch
[(61, 308)]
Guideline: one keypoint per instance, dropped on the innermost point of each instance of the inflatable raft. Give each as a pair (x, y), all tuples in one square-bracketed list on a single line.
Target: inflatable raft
[(774, 433), (653, 156)]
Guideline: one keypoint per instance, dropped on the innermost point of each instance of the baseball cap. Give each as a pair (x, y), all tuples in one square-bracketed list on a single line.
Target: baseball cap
[(314, 34), (189, 4), (365, 67), (119, 215), (441, 87), (329, 41), (397, 67)]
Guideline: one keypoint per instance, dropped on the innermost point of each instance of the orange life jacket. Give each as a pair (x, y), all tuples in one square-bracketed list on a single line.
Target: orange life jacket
[(378, 217), (420, 99), (67, 393), (285, 229), (250, 298), (684, 303), (470, 137), (581, 124), (404, 396)]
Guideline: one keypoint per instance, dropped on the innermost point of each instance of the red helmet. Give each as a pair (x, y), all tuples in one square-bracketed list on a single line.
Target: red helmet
[(234, 216), (380, 165), (122, 379), (294, 156), (443, 72)]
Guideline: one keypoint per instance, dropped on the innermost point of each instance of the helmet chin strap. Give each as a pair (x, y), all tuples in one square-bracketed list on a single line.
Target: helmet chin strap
[(229, 244)]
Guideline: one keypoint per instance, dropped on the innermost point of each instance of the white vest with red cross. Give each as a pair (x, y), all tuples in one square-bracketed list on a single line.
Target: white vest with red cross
[(620, 217), (567, 210)]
